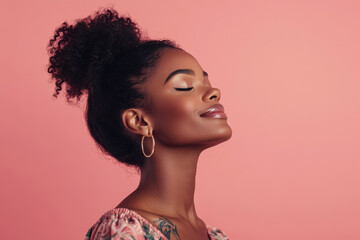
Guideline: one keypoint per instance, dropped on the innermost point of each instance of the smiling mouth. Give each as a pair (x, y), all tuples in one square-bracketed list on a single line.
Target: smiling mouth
[(216, 111)]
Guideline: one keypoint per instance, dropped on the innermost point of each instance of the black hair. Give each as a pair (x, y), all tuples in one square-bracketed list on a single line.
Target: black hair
[(106, 57)]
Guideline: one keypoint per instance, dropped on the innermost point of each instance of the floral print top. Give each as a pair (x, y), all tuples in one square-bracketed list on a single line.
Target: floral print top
[(126, 224)]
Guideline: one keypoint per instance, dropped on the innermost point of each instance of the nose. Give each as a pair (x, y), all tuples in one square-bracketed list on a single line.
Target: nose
[(212, 94)]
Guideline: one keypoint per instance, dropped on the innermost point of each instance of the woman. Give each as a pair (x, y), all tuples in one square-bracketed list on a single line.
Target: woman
[(150, 105)]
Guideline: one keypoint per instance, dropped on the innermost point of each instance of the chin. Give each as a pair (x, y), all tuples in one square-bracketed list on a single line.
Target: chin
[(222, 135)]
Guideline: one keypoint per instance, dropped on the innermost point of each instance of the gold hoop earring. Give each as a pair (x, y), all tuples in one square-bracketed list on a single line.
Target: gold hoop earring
[(142, 146)]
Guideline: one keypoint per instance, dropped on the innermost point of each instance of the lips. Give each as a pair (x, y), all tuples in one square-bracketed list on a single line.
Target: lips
[(216, 111)]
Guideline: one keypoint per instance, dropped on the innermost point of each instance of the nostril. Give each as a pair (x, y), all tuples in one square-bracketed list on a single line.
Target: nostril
[(212, 93), (214, 96)]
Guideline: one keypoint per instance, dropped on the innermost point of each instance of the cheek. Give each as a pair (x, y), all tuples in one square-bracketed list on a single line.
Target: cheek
[(177, 122), (176, 117), (172, 111)]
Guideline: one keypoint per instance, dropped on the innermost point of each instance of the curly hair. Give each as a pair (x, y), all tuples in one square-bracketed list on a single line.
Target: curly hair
[(106, 57)]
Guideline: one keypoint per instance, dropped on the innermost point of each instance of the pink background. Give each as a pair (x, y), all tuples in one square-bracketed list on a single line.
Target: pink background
[(289, 75)]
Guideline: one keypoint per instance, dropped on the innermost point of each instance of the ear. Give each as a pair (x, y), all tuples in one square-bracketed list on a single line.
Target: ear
[(137, 122)]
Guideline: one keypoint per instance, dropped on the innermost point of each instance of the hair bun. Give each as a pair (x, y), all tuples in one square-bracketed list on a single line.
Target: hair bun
[(80, 53)]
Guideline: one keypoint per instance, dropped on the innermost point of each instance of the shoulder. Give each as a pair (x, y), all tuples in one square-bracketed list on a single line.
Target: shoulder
[(216, 234), (122, 223)]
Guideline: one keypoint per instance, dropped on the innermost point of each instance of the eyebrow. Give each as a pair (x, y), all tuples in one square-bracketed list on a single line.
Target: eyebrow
[(183, 71)]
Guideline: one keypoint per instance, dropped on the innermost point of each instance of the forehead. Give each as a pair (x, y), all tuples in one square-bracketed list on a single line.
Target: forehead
[(173, 59)]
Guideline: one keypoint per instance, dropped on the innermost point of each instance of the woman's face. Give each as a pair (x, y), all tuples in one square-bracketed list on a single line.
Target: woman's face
[(178, 92)]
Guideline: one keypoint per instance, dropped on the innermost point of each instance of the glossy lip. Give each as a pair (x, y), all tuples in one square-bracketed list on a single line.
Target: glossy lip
[(215, 111)]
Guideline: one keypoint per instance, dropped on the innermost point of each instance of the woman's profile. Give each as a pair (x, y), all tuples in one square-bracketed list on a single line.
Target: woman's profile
[(150, 105)]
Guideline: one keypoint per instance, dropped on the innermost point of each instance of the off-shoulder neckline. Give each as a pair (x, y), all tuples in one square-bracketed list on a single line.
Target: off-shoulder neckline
[(131, 212)]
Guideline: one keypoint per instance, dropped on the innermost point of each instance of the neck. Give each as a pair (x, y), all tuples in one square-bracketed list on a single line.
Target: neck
[(168, 180)]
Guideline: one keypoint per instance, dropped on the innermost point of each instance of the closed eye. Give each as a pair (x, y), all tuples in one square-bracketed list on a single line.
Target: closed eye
[(184, 89)]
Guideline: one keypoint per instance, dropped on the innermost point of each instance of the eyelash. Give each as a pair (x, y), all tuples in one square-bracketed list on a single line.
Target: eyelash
[(184, 89)]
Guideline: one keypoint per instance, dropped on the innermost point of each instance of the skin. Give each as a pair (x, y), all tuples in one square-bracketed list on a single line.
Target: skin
[(165, 195)]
